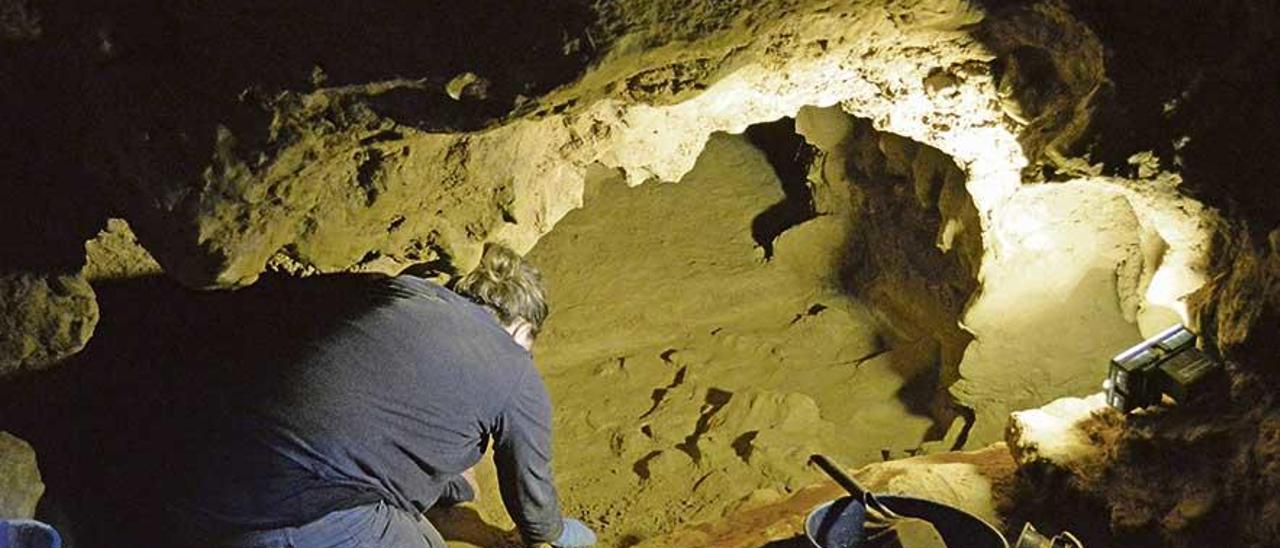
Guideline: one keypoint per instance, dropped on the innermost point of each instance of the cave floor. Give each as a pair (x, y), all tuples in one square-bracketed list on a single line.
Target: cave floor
[(690, 376)]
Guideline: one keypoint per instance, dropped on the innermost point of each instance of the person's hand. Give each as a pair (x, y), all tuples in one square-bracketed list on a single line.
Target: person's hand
[(575, 535)]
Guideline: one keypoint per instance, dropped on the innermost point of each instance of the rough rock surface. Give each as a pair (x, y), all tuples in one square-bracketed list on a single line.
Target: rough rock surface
[(115, 254), (1239, 310), (20, 485), (329, 165), (1186, 99), (43, 319), (687, 369), (913, 233), (1053, 435)]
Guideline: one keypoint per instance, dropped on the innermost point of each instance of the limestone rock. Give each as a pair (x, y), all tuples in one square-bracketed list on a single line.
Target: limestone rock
[(365, 163), (1050, 86), (974, 481), (1057, 434), (20, 484), (43, 319), (1060, 259)]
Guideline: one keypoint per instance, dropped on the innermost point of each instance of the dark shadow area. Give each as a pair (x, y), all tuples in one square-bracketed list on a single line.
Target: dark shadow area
[(1196, 86), (1206, 72), (790, 157), (894, 263), (798, 541), (922, 387), (49, 202), (464, 524), (116, 428), (214, 51)]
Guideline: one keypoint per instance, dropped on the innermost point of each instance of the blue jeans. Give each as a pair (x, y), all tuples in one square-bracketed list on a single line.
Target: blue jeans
[(369, 526)]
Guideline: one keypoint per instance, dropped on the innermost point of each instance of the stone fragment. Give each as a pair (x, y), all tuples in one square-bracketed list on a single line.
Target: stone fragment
[(116, 254), (20, 484), (973, 481), (1058, 434), (43, 319)]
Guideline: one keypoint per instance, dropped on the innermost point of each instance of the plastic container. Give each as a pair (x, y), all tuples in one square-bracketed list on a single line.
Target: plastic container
[(27, 533)]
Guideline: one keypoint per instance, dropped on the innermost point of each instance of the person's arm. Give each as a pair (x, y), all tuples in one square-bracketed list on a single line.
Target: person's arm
[(522, 453)]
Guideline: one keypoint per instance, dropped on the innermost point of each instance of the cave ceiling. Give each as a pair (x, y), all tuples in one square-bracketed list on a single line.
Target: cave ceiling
[(234, 138)]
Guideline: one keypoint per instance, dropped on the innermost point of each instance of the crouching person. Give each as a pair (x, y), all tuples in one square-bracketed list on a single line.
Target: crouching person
[(353, 425)]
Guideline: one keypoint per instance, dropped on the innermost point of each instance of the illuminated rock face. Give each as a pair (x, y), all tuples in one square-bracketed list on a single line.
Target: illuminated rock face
[(20, 484), (1058, 435)]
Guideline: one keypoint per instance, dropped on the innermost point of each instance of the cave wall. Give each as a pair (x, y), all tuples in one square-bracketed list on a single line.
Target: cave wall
[(308, 159), (913, 238), (236, 139), (1191, 99)]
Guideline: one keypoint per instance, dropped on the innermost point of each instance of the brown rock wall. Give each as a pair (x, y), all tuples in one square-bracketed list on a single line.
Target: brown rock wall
[(43, 319)]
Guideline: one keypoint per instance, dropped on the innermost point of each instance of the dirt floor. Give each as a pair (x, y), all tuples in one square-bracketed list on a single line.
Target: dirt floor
[(691, 376), (702, 342)]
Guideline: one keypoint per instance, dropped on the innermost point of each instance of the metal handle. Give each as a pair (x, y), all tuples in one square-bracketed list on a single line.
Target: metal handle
[(842, 478)]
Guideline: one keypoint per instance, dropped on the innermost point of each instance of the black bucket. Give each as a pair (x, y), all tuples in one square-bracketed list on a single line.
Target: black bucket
[(838, 524)]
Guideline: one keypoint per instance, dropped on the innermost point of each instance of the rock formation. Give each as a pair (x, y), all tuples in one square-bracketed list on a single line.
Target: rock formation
[(1015, 189), (20, 485)]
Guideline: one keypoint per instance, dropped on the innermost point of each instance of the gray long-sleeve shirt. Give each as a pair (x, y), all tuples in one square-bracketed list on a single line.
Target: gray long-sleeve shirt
[(391, 400)]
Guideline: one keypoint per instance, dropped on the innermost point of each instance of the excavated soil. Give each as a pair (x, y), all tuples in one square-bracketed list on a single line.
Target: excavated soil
[(690, 375)]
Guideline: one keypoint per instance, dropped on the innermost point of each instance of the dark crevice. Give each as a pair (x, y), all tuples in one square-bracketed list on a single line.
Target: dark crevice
[(368, 172), (742, 445), (660, 394), (812, 311), (790, 157), (641, 467), (969, 417), (715, 401)]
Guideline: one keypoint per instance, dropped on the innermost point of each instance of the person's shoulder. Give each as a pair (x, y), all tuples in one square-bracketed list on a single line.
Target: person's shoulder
[(408, 285)]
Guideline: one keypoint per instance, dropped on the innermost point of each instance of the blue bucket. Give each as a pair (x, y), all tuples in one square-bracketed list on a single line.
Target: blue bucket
[(838, 524), (28, 533)]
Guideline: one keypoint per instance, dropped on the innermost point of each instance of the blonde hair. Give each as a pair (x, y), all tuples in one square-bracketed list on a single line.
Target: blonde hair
[(508, 285)]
